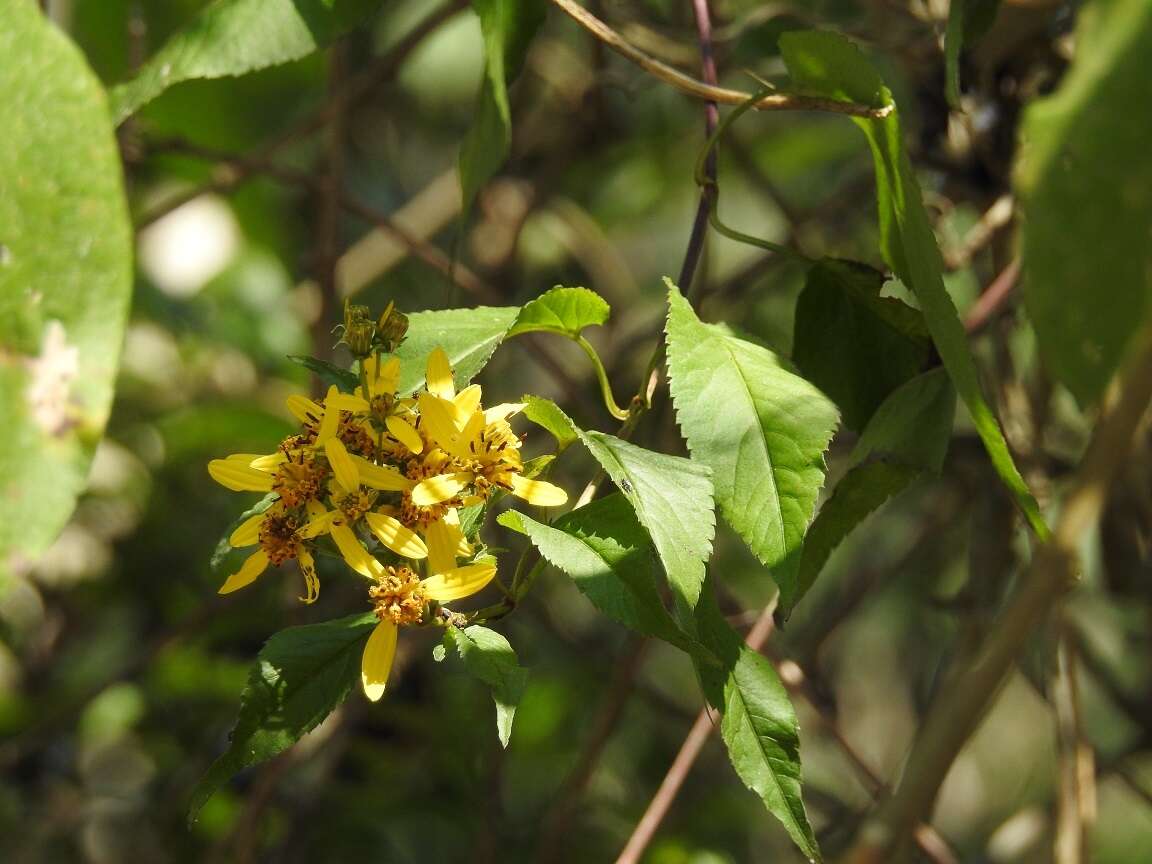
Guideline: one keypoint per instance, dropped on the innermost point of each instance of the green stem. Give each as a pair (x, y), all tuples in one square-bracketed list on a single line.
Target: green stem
[(602, 376)]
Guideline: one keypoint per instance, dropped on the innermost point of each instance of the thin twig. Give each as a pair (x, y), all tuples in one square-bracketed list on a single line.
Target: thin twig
[(661, 802), (955, 715), (1076, 787), (711, 120), (328, 219), (993, 300), (559, 818), (702, 90)]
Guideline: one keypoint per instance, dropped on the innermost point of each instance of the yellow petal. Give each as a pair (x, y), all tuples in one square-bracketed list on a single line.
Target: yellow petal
[(458, 582), (463, 547), (256, 564), (503, 412), (537, 492), (443, 545), (404, 433), (234, 474), (376, 663), (304, 409), (348, 402), (331, 420), (466, 401), (347, 474), (311, 580), (247, 532), (268, 463), (353, 551), (320, 523), (439, 488), (394, 535), (439, 374), (380, 477), (439, 421)]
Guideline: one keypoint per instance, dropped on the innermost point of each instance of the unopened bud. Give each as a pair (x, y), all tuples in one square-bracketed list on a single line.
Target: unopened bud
[(359, 330), (391, 328)]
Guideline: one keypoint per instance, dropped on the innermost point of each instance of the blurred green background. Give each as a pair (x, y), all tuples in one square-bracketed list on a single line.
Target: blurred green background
[(120, 668)]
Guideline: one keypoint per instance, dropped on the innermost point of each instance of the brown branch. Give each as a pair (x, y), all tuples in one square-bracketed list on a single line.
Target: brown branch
[(364, 85), (328, 219), (700, 89), (993, 300), (559, 818), (955, 715)]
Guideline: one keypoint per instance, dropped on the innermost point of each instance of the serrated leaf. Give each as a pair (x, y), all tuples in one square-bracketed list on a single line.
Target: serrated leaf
[(758, 724), (468, 337), (907, 436), (488, 656), (672, 498), (1085, 183), (65, 276), (328, 373), (233, 37), (761, 429), (300, 676), (564, 311), (547, 415), (853, 344), (829, 65), (608, 554), (508, 27)]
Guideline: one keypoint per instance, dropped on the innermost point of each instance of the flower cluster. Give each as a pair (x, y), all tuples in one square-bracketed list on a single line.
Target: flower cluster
[(382, 475)]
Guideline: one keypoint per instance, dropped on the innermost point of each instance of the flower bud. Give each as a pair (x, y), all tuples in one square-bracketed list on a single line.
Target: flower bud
[(391, 328), (359, 330)]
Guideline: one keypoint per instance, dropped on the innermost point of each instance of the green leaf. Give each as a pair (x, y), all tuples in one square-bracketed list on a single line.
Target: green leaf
[(328, 373), (232, 37), (906, 437), (827, 64), (468, 337), (672, 498), (508, 27), (488, 656), (300, 676), (758, 723), (1085, 182), (564, 311), (853, 344), (547, 415), (65, 277), (968, 20), (607, 553), (761, 429)]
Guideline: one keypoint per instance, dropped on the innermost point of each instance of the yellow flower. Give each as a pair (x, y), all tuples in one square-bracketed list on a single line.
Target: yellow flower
[(399, 598), (482, 449), (281, 537)]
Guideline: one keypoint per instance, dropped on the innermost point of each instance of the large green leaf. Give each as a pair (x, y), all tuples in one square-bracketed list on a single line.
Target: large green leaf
[(300, 676), (609, 556), (853, 344), (672, 498), (468, 336), (564, 311), (1085, 182), (827, 64), (761, 429), (508, 27), (65, 276), (758, 723), (488, 656), (906, 437), (232, 37)]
